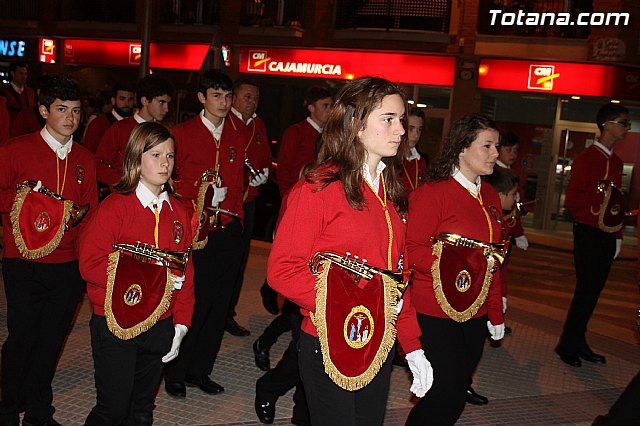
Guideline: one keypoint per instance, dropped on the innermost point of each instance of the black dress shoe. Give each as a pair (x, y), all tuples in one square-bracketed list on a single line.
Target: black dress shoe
[(590, 356), (269, 299), (235, 329), (571, 359), (261, 356), (507, 330), (265, 410), (29, 421), (205, 384), (475, 398), (176, 389)]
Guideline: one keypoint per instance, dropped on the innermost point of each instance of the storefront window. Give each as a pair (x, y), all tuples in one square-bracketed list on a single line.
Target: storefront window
[(98, 10)]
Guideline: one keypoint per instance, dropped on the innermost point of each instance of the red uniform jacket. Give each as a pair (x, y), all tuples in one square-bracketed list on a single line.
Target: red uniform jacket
[(196, 153), (413, 173), (28, 157), (297, 149), (21, 114), (122, 219), (315, 221), (110, 152), (96, 129), (582, 197), (256, 149), (447, 206), (4, 121)]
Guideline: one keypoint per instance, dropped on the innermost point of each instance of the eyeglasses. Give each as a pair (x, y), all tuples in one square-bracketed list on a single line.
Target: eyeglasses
[(626, 124)]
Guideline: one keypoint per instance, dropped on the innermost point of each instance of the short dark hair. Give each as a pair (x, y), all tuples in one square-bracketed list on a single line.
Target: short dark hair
[(609, 112), (124, 87), (152, 85), (503, 179), (15, 64), (214, 79), (416, 112), (59, 86), (315, 93), (244, 81), (509, 138)]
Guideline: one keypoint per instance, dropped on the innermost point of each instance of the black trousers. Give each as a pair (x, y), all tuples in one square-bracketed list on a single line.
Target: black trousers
[(216, 268), (625, 411), (247, 231), (287, 320), (331, 405), (286, 374), (127, 373), (41, 302), (454, 350), (593, 252)]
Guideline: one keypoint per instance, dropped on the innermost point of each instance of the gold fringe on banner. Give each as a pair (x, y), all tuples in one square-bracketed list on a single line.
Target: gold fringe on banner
[(48, 248), (452, 313), (141, 327), (199, 245)]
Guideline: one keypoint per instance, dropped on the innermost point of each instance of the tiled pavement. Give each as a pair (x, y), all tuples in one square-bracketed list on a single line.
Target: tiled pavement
[(525, 381)]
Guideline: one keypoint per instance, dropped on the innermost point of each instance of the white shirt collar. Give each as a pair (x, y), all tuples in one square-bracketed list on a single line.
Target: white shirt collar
[(148, 198), (413, 154), (138, 118), (118, 116), (17, 89), (217, 131), (472, 187), (239, 115), (373, 181), (604, 148), (61, 150), (501, 164), (314, 125)]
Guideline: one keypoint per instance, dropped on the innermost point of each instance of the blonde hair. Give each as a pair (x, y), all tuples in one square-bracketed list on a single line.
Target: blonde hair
[(144, 136)]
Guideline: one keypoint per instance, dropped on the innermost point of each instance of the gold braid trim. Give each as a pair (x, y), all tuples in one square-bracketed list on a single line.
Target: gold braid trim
[(468, 313), (141, 327), (388, 339), (601, 213), (199, 245), (48, 248)]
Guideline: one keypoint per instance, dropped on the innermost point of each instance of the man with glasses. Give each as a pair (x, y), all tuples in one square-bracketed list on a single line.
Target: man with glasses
[(595, 245)]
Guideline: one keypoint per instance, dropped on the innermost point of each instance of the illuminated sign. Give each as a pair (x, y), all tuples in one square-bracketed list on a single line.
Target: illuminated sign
[(541, 77), (135, 53), (47, 51), (342, 64), (12, 48)]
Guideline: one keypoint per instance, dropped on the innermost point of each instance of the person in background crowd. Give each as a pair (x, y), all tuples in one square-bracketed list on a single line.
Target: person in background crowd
[(595, 246), (414, 167), (350, 201), (246, 95), (153, 95), (454, 204), (42, 282), (128, 360), (121, 100), (21, 99), (210, 142), (298, 145)]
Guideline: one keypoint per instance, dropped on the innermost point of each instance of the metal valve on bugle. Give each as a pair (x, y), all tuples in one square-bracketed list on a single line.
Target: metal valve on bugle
[(176, 260), (214, 219), (359, 268), (77, 212), (252, 169)]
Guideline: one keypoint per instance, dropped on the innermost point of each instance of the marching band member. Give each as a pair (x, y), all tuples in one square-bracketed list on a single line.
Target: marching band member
[(42, 283), (455, 291), (350, 201), (141, 310), (414, 166), (597, 236)]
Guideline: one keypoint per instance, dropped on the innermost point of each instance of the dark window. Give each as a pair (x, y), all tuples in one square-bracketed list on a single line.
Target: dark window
[(272, 13), (98, 10), (23, 9), (190, 12), (423, 15)]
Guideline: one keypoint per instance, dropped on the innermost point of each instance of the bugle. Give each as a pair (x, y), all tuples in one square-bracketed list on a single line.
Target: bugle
[(77, 212), (496, 250), (176, 260)]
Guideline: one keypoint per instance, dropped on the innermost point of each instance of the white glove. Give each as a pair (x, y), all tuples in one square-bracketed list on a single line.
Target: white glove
[(178, 281), (504, 305), (422, 373), (180, 331), (219, 194), (399, 306), (260, 179), (615, 256), (522, 242), (38, 186), (496, 331)]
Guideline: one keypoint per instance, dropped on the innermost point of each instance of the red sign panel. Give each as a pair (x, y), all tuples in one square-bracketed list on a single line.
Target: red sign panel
[(47, 51), (548, 77), (341, 64), (127, 53)]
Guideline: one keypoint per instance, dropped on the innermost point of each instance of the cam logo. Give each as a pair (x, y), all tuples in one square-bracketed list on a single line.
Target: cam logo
[(135, 52), (258, 60), (541, 77)]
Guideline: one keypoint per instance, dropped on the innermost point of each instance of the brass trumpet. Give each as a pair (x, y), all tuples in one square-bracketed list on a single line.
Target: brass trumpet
[(77, 212), (176, 260), (359, 268), (496, 250)]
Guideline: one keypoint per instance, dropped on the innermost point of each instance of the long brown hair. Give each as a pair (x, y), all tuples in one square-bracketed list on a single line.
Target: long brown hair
[(462, 134), (340, 146), (144, 136)]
